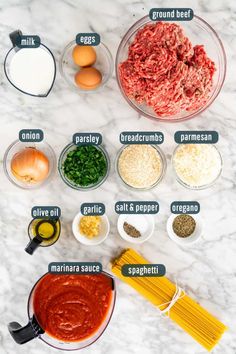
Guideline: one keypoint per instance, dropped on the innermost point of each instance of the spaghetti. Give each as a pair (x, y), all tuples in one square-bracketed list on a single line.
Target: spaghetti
[(189, 315)]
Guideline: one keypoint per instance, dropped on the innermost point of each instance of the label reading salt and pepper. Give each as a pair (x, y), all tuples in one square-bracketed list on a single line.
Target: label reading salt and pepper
[(143, 270), (153, 137), (90, 209), (92, 39), (52, 212), (196, 137), (27, 41), (185, 207), (31, 135), (135, 207), (87, 139), (171, 14)]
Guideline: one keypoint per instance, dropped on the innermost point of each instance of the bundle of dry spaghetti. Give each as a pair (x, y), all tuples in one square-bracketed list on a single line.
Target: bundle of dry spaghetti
[(161, 292)]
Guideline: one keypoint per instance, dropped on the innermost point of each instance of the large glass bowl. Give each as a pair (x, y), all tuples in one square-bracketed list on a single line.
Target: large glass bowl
[(68, 68), (17, 146), (199, 32), (70, 147)]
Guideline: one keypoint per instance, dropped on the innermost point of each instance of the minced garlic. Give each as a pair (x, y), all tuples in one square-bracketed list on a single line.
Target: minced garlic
[(140, 166), (197, 165), (89, 226)]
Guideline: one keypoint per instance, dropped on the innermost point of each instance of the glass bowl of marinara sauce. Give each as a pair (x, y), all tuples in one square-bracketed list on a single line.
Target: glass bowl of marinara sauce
[(68, 311)]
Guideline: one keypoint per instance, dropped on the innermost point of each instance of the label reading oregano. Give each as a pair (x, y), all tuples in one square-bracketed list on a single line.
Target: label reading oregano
[(31, 135), (135, 207), (92, 39), (171, 14), (185, 207), (196, 137), (87, 139), (141, 137), (93, 209)]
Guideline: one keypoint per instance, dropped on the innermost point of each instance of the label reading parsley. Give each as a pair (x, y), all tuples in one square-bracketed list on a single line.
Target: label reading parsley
[(87, 139), (93, 209), (141, 137), (134, 207), (171, 14), (196, 137), (92, 39), (185, 207), (52, 212), (143, 270), (31, 135)]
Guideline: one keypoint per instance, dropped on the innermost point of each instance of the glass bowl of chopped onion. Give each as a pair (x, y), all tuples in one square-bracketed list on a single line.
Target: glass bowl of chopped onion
[(84, 167), (29, 165), (170, 71)]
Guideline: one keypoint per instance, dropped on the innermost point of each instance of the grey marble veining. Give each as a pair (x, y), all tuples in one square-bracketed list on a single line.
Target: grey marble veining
[(206, 270)]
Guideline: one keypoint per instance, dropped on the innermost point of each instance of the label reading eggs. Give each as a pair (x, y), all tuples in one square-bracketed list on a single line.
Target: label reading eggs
[(171, 14), (28, 41), (135, 207), (89, 209), (143, 270), (196, 137), (92, 39), (141, 137), (87, 139), (40, 212), (75, 268), (185, 207), (31, 135)]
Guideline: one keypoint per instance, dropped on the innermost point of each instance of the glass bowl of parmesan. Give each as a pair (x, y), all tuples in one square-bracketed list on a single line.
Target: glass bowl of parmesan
[(141, 166)]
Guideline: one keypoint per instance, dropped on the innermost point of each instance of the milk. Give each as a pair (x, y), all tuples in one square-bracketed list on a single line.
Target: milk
[(32, 70)]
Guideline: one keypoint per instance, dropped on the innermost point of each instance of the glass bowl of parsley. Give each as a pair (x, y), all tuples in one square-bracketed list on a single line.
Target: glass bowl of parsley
[(84, 167)]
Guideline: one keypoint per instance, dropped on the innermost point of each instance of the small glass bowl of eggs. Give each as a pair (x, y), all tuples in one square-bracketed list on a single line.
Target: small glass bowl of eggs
[(86, 68)]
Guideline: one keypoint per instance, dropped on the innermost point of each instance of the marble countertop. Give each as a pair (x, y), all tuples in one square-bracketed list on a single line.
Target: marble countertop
[(206, 270)]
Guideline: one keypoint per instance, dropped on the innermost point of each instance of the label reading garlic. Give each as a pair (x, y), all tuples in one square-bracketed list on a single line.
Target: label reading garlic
[(92, 39), (52, 212), (87, 139), (185, 207), (153, 137), (89, 209), (196, 137), (31, 135), (135, 207), (171, 14)]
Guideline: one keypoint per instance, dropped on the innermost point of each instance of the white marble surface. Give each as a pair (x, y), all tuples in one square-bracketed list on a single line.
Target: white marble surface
[(206, 270)]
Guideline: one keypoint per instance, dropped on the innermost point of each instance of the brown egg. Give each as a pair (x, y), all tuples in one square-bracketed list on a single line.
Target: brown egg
[(84, 55), (88, 78)]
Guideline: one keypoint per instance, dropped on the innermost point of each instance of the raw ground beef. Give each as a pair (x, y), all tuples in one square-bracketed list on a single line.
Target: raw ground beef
[(165, 71)]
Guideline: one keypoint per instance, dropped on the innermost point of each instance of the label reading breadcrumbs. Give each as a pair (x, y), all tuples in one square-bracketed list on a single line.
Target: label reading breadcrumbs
[(185, 207), (87, 139), (171, 14), (91, 209), (135, 207), (154, 137), (196, 137)]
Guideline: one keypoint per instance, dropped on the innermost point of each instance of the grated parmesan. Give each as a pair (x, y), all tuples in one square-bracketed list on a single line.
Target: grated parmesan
[(140, 166), (197, 165)]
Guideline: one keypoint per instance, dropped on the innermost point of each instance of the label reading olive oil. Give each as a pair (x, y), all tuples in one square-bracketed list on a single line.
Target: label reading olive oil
[(52, 212)]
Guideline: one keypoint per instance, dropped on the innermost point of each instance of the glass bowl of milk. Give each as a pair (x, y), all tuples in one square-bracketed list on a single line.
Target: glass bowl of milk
[(31, 70)]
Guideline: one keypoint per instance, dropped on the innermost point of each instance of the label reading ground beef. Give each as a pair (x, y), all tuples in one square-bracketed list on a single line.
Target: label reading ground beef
[(165, 71)]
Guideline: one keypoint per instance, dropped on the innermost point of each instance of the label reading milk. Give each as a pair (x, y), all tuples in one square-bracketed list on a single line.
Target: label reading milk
[(141, 137), (41, 212), (31, 135), (92, 39), (196, 137), (143, 270), (28, 41), (185, 207), (92, 209), (135, 207), (171, 14), (75, 268), (87, 139)]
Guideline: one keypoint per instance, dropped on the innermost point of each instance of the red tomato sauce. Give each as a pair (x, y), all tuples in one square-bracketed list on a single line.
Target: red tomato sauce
[(72, 308)]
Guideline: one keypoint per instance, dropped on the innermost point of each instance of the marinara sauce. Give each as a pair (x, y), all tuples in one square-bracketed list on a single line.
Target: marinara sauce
[(71, 308)]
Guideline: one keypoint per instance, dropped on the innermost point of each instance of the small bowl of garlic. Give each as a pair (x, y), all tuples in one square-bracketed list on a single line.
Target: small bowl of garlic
[(90, 229)]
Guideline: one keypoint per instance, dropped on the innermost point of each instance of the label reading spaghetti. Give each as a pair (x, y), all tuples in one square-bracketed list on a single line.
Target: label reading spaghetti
[(141, 137), (143, 270)]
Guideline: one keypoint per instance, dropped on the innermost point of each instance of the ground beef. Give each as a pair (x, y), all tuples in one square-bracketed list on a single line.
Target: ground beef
[(165, 71)]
